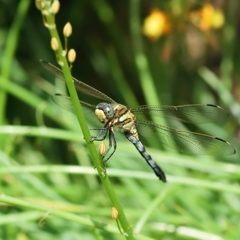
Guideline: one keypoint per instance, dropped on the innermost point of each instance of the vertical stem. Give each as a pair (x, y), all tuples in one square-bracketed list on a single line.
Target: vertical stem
[(10, 48), (50, 22), (146, 80)]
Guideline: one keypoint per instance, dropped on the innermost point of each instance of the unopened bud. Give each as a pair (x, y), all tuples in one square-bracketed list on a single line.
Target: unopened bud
[(55, 7), (39, 4), (102, 148), (67, 30), (114, 213), (71, 55), (54, 44)]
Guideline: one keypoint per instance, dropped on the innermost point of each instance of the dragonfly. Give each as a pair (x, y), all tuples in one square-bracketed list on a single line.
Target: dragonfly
[(132, 122)]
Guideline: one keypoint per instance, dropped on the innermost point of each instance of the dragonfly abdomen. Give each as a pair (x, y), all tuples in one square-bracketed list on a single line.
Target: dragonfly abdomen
[(158, 171)]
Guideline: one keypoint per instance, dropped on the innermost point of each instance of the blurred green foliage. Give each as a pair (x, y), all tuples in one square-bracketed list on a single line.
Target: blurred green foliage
[(50, 167)]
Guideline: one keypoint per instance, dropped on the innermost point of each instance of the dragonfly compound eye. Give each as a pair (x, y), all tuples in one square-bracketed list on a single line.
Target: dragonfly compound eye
[(104, 112), (108, 111)]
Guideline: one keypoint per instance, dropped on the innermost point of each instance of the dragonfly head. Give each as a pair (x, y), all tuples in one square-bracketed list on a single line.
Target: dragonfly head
[(104, 112)]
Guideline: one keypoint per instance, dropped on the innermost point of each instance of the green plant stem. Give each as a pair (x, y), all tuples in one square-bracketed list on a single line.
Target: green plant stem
[(141, 61), (80, 116), (153, 206), (182, 161), (182, 181), (57, 213), (146, 80), (120, 80), (44, 132), (33, 101), (10, 48), (61, 214), (229, 43), (225, 95), (25, 217)]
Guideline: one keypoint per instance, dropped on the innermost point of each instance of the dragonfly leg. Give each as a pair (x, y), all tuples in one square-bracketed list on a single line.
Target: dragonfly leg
[(98, 137), (112, 141), (158, 171)]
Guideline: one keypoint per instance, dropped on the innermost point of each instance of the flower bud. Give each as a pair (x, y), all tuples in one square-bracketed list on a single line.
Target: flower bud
[(55, 7), (54, 44), (39, 4), (114, 213), (67, 30), (102, 148)]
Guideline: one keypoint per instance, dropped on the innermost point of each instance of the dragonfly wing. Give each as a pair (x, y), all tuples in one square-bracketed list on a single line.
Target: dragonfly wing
[(80, 86), (185, 141), (65, 102), (196, 113)]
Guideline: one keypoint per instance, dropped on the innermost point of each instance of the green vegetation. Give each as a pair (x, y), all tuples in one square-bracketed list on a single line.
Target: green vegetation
[(49, 186)]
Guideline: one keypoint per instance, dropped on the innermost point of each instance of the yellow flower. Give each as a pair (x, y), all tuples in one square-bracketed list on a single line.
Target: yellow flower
[(218, 19), (156, 24), (207, 17)]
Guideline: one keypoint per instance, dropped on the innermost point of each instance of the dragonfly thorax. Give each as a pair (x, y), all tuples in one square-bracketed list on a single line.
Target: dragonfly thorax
[(104, 112)]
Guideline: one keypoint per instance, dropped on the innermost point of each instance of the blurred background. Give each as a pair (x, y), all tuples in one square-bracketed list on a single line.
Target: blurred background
[(138, 52)]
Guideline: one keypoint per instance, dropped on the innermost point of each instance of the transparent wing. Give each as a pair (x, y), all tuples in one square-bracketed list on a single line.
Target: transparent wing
[(80, 86), (197, 114), (65, 102), (184, 141)]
